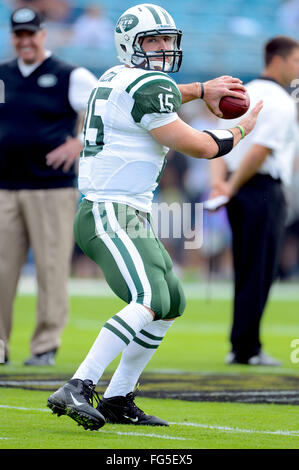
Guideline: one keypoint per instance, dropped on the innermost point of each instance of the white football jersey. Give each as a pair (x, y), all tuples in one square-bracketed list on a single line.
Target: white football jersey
[(121, 161)]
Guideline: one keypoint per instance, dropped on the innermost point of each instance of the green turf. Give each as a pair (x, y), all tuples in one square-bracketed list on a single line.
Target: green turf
[(197, 342), (247, 426)]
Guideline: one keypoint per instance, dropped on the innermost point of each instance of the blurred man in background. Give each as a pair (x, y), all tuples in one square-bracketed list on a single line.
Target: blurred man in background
[(253, 178), (45, 100)]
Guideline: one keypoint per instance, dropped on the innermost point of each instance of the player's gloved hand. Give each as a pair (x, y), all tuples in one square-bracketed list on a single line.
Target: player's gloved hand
[(215, 89), (65, 154)]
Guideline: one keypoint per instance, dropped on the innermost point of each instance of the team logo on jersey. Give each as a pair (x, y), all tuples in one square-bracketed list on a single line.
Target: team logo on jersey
[(23, 16), (127, 22), (47, 80)]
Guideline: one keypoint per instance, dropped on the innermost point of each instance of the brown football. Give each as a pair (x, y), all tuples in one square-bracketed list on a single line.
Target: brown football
[(232, 107)]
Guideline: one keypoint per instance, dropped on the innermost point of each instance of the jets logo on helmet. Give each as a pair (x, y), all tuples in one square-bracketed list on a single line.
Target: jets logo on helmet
[(142, 21), (126, 22)]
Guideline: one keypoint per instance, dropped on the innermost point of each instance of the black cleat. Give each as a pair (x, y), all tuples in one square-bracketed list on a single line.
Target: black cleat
[(122, 410), (75, 399)]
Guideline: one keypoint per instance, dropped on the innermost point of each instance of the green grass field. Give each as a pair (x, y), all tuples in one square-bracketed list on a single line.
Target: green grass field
[(190, 358)]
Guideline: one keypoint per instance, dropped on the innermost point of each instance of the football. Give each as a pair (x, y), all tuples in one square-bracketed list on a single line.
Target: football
[(232, 107)]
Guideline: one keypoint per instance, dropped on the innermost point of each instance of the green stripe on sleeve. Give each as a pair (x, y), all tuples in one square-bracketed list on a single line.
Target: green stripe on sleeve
[(146, 75), (155, 85), (150, 98)]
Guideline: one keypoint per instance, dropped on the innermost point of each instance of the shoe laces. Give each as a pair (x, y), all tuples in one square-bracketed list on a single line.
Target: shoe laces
[(90, 393), (132, 406)]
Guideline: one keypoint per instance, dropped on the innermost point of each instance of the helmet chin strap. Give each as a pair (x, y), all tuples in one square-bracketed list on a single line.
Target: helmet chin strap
[(158, 64)]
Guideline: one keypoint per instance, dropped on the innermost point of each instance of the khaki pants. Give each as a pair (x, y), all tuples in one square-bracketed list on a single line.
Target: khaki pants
[(42, 219)]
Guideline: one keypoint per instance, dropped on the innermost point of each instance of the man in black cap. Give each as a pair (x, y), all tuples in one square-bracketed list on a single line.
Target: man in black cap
[(28, 35), (31, 19), (45, 100)]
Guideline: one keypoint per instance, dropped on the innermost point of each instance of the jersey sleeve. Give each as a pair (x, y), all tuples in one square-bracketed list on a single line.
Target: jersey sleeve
[(156, 103)]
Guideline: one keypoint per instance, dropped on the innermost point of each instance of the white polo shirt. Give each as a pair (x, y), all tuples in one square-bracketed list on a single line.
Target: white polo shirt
[(276, 129)]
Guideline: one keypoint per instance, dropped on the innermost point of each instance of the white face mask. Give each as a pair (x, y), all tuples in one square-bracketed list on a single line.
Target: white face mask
[(157, 63)]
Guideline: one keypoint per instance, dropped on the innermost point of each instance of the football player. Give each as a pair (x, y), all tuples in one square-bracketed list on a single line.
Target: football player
[(131, 123)]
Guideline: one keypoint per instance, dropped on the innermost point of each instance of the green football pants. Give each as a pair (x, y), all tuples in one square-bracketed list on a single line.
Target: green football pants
[(137, 267)]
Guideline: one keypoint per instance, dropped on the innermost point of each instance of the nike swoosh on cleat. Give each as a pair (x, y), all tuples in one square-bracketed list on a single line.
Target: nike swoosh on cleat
[(134, 420), (76, 401), (164, 88)]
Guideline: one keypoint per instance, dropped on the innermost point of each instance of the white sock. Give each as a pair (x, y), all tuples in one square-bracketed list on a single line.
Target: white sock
[(135, 357), (113, 338)]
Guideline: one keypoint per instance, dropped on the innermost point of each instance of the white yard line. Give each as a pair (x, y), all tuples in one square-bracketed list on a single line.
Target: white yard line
[(159, 436), (22, 408), (197, 425), (238, 430)]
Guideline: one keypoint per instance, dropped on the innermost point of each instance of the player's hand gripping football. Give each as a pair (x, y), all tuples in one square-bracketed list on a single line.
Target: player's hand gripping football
[(215, 89)]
